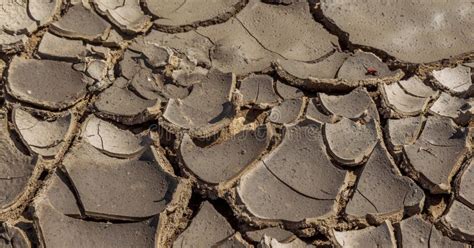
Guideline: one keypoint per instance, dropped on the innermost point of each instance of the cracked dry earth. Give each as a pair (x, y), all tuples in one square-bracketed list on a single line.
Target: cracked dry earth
[(236, 123)]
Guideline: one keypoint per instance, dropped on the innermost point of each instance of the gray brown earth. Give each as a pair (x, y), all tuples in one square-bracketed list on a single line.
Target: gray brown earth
[(236, 123)]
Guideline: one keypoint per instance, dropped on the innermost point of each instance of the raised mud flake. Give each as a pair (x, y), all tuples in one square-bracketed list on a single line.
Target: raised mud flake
[(59, 230), (416, 232), (437, 153), (121, 104), (269, 242), (155, 55), (131, 64), (191, 44), (324, 69), (258, 89), (207, 228), (281, 235), (147, 84), (380, 236), (15, 168), (208, 105), (111, 139), (52, 46), (288, 92), (295, 37), (12, 236), (351, 142), (235, 241), (97, 69), (236, 51), (267, 197), (117, 188), (315, 112), (287, 112), (456, 80), (126, 14), (60, 196), (190, 13), (43, 11), (382, 192), (31, 81), (411, 32), (459, 221), (19, 18), (465, 186), (416, 87), (403, 132), (352, 105), (403, 103), (222, 161), (301, 159), (43, 136), (459, 109), (83, 23), (363, 65)]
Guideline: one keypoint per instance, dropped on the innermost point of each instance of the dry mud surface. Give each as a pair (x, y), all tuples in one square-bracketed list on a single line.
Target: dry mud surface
[(236, 123)]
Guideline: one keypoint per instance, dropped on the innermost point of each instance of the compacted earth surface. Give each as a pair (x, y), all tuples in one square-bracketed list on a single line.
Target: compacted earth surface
[(236, 123)]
